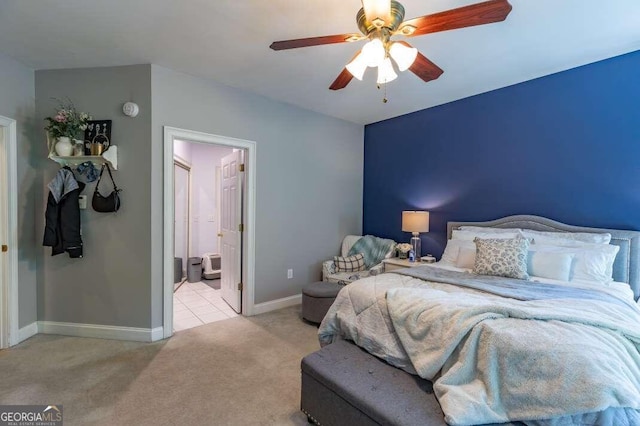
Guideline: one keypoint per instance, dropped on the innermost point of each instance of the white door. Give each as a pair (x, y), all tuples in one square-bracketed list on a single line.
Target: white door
[(181, 225), (4, 202), (231, 218)]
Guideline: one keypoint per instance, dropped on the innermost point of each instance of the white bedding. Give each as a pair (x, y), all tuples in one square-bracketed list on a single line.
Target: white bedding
[(407, 338)]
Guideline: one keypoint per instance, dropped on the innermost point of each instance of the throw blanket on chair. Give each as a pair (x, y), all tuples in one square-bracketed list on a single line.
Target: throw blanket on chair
[(373, 249)]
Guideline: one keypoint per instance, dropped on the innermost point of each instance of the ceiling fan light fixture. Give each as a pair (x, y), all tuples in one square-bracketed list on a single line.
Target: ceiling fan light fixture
[(403, 55), (377, 10), (373, 53), (386, 72), (357, 67)]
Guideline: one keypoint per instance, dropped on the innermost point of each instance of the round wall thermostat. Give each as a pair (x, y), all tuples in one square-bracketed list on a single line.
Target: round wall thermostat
[(130, 109)]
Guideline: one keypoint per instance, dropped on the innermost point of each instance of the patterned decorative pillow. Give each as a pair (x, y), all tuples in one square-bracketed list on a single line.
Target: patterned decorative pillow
[(502, 257), (353, 263)]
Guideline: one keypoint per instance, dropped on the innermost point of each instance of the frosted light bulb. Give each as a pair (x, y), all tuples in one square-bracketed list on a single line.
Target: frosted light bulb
[(357, 67), (373, 53), (403, 55), (386, 72)]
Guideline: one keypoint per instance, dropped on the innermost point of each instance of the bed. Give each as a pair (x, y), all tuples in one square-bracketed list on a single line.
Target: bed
[(497, 350)]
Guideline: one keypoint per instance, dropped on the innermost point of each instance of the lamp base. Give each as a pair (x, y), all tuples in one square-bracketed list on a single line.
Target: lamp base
[(416, 244)]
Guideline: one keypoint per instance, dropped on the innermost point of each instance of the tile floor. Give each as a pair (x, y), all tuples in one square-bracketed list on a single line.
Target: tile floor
[(196, 304)]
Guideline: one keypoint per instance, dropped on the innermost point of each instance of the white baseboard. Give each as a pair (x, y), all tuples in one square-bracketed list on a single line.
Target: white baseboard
[(27, 331), (273, 305), (101, 331)]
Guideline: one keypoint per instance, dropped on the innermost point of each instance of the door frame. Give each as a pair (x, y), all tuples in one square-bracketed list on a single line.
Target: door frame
[(248, 236), (9, 320)]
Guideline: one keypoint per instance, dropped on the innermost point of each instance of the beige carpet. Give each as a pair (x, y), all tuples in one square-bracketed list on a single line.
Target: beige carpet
[(241, 371)]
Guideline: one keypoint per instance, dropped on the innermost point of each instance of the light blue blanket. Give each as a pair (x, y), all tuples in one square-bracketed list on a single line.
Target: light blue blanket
[(494, 359), (510, 287)]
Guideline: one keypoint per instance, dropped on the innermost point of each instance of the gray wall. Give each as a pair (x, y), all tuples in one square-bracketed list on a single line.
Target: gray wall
[(309, 190), (17, 102), (111, 285), (309, 176)]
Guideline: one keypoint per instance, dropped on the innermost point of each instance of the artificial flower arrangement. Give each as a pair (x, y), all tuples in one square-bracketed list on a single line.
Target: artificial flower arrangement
[(67, 122), (403, 249)]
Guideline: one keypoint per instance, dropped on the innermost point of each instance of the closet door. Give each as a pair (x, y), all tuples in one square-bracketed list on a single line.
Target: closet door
[(4, 202), (181, 224)]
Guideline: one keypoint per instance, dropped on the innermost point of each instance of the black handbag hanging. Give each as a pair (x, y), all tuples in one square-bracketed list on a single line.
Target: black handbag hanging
[(110, 203)]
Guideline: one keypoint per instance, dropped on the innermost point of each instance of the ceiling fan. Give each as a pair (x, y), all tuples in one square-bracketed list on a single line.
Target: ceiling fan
[(379, 20)]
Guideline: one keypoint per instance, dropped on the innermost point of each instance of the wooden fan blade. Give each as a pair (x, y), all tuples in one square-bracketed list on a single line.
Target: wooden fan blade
[(467, 16), (343, 79), (315, 41), (423, 67)]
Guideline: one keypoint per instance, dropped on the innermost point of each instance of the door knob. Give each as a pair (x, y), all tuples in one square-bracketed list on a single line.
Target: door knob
[(220, 234), (5, 248)]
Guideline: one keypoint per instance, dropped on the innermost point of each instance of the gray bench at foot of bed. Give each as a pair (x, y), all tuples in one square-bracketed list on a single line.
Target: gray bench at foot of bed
[(344, 385)]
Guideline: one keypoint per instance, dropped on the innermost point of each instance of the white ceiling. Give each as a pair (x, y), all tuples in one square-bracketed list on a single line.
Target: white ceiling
[(227, 41)]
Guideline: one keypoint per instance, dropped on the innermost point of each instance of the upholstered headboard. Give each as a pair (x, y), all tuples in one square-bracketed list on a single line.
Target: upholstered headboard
[(626, 266)]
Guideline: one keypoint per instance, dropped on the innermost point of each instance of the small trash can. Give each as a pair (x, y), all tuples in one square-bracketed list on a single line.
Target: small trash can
[(194, 269), (177, 269)]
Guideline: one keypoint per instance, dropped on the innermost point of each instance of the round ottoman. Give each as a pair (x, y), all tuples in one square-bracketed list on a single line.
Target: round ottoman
[(317, 299)]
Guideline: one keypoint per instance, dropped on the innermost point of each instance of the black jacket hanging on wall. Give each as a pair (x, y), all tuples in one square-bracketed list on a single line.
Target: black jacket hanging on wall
[(62, 227)]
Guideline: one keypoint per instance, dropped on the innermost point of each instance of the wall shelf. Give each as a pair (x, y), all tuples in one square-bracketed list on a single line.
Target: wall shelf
[(109, 157)]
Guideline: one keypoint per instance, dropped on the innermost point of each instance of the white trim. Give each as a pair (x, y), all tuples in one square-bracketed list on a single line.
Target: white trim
[(27, 331), (170, 135), (100, 331), (9, 303), (273, 305)]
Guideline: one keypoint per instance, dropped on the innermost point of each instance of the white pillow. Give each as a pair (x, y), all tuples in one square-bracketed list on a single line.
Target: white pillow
[(556, 266), (451, 251), (466, 257), (458, 234), (592, 262)]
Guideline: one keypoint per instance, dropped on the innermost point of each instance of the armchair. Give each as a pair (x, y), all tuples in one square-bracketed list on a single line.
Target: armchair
[(329, 269)]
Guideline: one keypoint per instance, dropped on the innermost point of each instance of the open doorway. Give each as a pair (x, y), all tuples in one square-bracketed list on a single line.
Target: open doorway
[(209, 244), (8, 234)]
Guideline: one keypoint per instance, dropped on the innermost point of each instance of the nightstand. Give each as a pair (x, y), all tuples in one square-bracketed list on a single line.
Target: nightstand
[(397, 263)]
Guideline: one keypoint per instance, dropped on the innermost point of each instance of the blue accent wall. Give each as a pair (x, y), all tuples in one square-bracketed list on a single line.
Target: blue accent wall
[(565, 146)]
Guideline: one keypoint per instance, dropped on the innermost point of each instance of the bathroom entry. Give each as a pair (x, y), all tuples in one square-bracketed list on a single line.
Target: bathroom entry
[(207, 239)]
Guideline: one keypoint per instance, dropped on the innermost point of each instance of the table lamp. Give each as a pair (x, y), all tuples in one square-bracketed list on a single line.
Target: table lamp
[(415, 222)]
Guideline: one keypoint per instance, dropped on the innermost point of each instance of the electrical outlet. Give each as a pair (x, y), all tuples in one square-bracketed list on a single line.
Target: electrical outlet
[(211, 218), (289, 274)]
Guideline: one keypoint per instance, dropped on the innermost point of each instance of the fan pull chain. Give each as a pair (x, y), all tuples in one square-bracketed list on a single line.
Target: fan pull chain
[(384, 99)]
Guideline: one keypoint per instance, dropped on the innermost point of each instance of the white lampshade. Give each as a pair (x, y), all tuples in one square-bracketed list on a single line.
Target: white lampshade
[(377, 9), (373, 53), (357, 67), (386, 72), (403, 55), (415, 221)]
